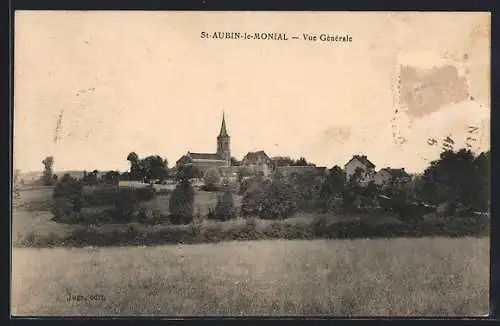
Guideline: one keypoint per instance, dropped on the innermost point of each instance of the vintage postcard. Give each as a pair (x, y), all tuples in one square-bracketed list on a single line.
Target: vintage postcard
[(184, 163)]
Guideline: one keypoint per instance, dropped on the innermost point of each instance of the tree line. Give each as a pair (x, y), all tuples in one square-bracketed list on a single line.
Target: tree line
[(458, 180)]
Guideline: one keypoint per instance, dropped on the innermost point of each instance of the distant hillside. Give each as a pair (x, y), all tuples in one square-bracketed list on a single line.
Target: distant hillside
[(33, 176)]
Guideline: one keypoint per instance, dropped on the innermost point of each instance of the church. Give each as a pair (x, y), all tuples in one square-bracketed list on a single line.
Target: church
[(205, 161)]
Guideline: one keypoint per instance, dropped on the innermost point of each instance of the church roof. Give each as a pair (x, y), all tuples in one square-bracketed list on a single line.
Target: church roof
[(223, 131), (204, 156)]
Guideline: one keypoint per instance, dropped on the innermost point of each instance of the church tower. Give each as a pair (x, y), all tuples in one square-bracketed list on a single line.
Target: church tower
[(223, 151)]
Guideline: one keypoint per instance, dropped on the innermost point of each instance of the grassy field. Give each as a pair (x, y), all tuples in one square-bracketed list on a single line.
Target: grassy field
[(427, 276), (398, 276)]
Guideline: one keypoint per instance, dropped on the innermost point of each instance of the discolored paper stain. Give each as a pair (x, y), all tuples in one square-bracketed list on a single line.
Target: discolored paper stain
[(58, 127), (423, 91), (337, 134)]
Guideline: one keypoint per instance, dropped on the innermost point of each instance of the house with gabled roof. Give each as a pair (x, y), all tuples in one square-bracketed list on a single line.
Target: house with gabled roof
[(255, 162), (386, 175), (364, 164)]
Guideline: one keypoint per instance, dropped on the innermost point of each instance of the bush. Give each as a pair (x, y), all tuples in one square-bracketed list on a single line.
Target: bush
[(64, 211), (319, 227), (126, 204), (145, 194), (211, 214), (307, 187), (67, 196), (195, 228), (246, 232), (100, 196), (248, 183), (163, 192), (212, 179), (181, 203), (68, 187), (270, 200), (224, 210)]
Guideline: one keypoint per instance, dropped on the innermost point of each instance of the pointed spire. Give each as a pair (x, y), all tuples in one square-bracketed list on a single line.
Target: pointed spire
[(223, 132)]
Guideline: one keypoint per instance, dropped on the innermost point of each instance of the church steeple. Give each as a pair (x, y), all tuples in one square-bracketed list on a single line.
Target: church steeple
[(223, 131), (223, 151)]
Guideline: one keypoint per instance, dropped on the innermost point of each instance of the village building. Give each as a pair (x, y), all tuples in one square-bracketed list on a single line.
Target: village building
[(257, 162), (363, 163), (221, 159), (387, 175)]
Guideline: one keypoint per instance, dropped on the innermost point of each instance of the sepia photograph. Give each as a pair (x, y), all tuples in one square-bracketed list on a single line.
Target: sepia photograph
[(251, 163)]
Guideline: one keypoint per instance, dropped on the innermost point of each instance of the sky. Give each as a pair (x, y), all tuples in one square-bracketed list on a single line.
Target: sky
[(90, 87)]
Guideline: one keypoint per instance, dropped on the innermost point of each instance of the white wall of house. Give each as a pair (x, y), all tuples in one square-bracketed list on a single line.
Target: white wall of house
[(259, 164), (382, 177), (260, 167), (368, 174)]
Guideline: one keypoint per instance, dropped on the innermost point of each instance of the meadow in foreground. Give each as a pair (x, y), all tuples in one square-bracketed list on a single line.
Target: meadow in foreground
[(425, 276)]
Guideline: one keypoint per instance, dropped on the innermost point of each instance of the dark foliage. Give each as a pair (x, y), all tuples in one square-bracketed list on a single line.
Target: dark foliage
[(224, 210), (100, 196), (149, 168), (307, 189), (111, 177), (457, 227), (182, 203), (212, 179), (459, 178), (270, 200), (48, 176), (146, 193), (331, 189), (126, 204), (187, 172), (67, 196)]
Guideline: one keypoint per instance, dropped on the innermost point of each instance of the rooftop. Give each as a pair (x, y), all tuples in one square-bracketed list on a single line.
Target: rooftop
[(363, 159)]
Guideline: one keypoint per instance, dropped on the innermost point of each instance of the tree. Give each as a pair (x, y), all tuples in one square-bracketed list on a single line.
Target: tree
[(307, 188), (352, 190), (15, 183), (132, 157), (287, 161), (16, 176), (224, 210), (282, 161), (111, 177), (47, 177), (370, 193), (301, 162), (270, 200), (443, 177), (212, 179), (481, 185), (153, 168), (135, 172), (67, 195), (90, 178), (187, 172), (126, 203), (125, 176), (333, 186), (247, 183), (458, 178), (182, 203)]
